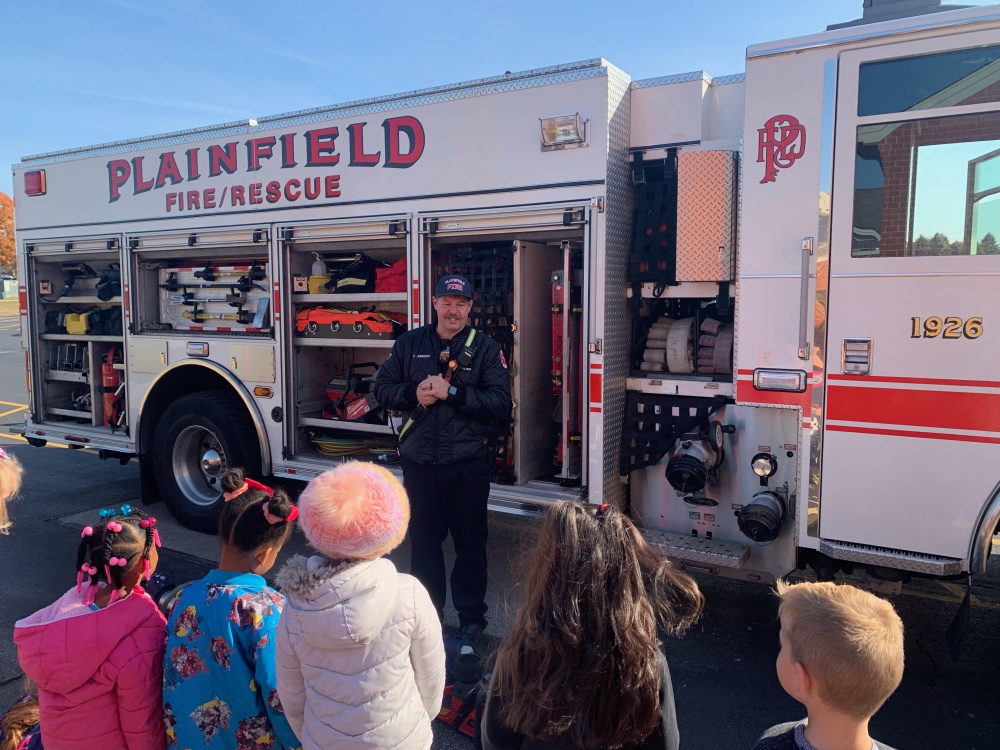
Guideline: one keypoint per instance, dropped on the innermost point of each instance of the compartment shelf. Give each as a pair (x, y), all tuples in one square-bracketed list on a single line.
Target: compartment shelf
[(78, 337), (346, 343), (70, 413), (68, 376), (667, 384), (71, 300), (372, 297), (339, 424), (683, 290)]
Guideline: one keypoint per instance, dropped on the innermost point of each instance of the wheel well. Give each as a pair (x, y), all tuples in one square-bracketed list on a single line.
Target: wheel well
[(189, 378)]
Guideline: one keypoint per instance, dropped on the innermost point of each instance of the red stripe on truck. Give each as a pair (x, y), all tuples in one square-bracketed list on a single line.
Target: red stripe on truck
[(953, 410)]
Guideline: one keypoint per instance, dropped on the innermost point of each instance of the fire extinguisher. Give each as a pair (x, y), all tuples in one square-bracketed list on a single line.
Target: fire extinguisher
[(111, 380)]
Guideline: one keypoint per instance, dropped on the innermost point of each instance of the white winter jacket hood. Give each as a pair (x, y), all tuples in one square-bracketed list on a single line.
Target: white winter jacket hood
[(360, 655)]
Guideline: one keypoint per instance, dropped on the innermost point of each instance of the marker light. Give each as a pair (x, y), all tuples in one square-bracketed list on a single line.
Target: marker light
[(34, 182), (564, 130), (779, 380)]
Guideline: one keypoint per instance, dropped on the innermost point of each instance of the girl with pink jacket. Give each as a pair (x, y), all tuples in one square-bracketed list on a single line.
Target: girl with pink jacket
[(96, 653)]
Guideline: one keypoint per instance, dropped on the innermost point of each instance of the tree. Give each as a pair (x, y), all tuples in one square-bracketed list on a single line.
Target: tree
[(988, 245), (8, 259)]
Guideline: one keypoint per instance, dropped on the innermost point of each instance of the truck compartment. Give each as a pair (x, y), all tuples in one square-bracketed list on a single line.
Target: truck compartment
[(75, 304), (347, 306)]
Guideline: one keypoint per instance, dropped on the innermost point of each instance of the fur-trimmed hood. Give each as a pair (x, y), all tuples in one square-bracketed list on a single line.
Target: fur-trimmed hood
[(348, 600)]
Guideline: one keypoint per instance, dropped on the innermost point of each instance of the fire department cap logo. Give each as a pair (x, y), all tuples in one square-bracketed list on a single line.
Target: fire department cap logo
[(454, 285), (781, 142)]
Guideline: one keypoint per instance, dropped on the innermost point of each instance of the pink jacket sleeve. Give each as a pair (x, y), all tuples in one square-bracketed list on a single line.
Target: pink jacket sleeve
[(140, 701)]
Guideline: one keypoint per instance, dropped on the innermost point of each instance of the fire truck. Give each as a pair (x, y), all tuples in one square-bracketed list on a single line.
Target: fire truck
[(761, 312)]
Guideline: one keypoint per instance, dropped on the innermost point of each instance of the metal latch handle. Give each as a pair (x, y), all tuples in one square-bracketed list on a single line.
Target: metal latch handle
[(805, 350)]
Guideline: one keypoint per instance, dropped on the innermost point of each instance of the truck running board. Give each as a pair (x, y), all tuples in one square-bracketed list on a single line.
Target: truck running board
[(912, 562), (698, 550)]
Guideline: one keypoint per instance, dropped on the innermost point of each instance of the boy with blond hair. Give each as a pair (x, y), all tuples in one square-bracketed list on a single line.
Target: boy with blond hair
[(841, 657)]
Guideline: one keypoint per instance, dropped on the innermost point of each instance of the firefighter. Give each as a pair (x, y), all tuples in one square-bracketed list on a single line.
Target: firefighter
[(453, 383)]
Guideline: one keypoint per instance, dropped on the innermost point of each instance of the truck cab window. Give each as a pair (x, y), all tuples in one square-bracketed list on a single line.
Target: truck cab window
[(927, 187), (946, 79)]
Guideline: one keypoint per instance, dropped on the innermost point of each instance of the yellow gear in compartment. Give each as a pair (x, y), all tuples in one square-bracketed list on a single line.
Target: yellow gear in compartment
[(316, 284), (76, 323)]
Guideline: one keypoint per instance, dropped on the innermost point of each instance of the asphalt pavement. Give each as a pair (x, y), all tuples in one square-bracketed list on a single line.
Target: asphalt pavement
[(723, 669)]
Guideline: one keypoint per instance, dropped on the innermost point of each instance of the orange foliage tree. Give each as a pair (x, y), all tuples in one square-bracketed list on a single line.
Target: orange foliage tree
[(7, 257)]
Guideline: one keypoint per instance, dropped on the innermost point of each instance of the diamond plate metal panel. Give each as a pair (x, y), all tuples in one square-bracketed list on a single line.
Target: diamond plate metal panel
[(706, 215), (617, 246), (891, 558), (480, 87), (697, 549)]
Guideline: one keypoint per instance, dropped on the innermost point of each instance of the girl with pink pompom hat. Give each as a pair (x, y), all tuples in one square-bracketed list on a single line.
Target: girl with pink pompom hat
[(359, 644)]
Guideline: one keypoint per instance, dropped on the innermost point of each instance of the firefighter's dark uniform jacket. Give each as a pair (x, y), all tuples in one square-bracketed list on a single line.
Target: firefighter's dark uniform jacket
[(456, 429)]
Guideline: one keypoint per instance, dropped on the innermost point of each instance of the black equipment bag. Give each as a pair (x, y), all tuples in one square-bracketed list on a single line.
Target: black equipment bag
[(110, 283), (355, 277)]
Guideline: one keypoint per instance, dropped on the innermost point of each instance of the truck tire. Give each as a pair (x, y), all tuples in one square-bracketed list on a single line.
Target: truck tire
[(200, 436)]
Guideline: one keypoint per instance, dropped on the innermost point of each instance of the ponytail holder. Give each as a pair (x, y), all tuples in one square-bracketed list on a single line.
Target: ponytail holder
[(87, 531), (121, 562), (106, 512), (227, 496), (3, 453), (126, 510), (272, 519), (114, 527), (603, 510), (147, 522), (258, 486)]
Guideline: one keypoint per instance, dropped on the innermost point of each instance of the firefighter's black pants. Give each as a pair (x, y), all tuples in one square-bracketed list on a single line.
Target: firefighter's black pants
[(443, 498)]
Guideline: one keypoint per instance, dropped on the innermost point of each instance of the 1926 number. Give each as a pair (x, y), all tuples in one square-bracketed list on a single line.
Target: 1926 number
[(949, 328)]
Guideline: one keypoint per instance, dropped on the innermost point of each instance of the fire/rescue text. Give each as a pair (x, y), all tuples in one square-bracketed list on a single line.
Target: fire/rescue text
[(318, 147)]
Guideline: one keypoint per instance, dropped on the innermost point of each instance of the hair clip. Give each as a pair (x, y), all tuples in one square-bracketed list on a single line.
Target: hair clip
[(126, 510), (3, 453), (106, 512), (89, 570), (114, 527), (150, 523), (603, 510), (87, 531)]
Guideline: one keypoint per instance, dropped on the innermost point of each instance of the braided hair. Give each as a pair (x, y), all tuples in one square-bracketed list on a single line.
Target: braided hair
[(243, 524), (127, 536)]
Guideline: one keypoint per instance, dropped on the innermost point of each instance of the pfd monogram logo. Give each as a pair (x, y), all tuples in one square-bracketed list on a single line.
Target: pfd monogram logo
[(781, 142)]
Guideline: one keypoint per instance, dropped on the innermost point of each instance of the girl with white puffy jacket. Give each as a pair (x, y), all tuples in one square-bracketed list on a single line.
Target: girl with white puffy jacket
[(360, 654)]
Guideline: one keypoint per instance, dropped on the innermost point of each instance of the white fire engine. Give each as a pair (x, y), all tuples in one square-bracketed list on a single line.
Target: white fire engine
[(761, 311)]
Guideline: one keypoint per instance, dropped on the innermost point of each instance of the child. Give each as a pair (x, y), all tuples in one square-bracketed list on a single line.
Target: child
[(19, 726), (10, 484), (360, 653), (218, 671), (96, 654), (841, 657), (583, 665)]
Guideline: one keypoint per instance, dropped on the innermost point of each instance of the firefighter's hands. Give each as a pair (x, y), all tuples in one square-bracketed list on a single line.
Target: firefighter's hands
[(433, 388)]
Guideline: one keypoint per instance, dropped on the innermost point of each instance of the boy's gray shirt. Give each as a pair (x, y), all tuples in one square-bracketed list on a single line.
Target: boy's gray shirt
[(791, 736)]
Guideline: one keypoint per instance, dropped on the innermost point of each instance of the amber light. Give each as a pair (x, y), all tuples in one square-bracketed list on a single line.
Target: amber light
[(263, 391), (34, 182)]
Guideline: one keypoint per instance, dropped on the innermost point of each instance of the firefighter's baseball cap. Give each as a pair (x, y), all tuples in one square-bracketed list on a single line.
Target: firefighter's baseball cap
[(454, 284)]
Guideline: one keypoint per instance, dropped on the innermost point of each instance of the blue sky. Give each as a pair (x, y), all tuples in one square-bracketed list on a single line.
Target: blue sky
[(79, 73)]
